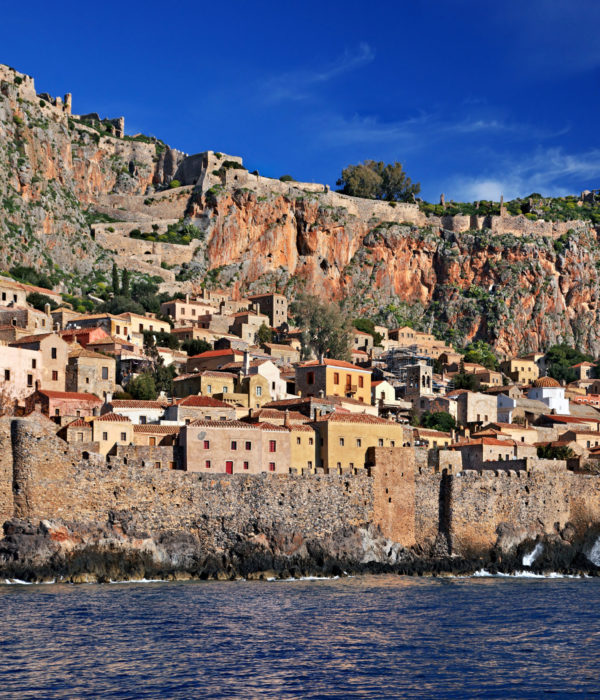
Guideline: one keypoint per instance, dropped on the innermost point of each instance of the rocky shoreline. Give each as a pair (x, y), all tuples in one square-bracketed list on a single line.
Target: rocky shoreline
[(47, 551)]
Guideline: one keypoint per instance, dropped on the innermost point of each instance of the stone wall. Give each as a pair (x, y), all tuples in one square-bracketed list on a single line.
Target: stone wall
[(152, 252), (6, 471)]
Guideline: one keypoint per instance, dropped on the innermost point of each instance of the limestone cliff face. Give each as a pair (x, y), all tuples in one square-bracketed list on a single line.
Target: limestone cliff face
[(52, 167), (521, 293), (520, 284)]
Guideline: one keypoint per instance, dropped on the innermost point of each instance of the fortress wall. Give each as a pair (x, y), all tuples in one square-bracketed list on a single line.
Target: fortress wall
[(148, 251), (480, 501), (6, 471)]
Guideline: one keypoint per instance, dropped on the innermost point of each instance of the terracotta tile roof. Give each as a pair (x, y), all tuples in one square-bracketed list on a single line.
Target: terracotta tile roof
[(484, 441), (202, 401), (271, 426), (280, 346), (82, 352), (227, 424), (71, 395), (569, 419), (79, 423), (273, 413), (205, 373), (217, 353), (583, 364), (333, 363), (132, 403), (27, 339), (113, 418), (338, 417), (157, 429), (294, 427), (428, 432)]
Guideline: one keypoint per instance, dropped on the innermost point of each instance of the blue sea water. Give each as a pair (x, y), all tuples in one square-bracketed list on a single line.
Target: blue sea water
[(363, 637)]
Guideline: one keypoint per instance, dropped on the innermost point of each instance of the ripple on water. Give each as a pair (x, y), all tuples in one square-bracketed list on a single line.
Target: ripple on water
[(367, 637)]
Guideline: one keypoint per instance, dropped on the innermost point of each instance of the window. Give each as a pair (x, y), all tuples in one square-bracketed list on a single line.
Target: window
[(234, 444), (87, 380), (7, 375), (207, 464), (246, 465), (351, 465), (380, 442), (57, 411), (123, 437), (79, 437), (361, 381), (336, 377), (105, 436), (152, 441), (248, 445), (78, 414), (339, 465), (209, 388), (206, 444), (310, 465), (259, 390), (54, 375), (225, 390), (157, 465), (310, 378), (358, 442), (341, 442), (3, 296), (105, 373), (393, 443), (298, 441), (271, 466), (310, 441), (187, 421), (272, 446), (207, 418), (141, 328), (118, 330), (143, 420), (30, 380), (33, 364)]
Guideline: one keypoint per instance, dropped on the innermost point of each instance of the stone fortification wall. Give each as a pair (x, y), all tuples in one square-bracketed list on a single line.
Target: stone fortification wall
[(168, 204), (6, 471)]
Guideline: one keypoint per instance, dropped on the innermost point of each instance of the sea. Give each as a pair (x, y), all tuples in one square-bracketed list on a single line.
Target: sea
[(355, 637)]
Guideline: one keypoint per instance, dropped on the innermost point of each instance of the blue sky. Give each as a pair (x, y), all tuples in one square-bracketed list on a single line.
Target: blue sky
[(474, 98)]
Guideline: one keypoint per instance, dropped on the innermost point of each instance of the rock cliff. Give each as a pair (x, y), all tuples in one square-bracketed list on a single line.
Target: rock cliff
[(521, 284)]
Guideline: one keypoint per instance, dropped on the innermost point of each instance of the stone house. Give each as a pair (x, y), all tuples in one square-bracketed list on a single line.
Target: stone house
[(140, 324), (474, 407), (26, 317), (431, 439), (84, 336), (584, 370), (344, 439), (12, 292), (329, 377), (439, 404), (90, 372), (362, 341), (183, 333), (521, 370), (186, 311), (194, 408), (234, 447), (475, 453), (79, 431), (62, 316), (152, 435), (55, 355), (213, 359), (274, 306), (138, 412), (303, 447), (206, 383), (418, 384), (588, 439), (63, 405), (111, 430), (246, 324), (20, 372), (515, 431), (265, 368), (488, 377), (282, 354)]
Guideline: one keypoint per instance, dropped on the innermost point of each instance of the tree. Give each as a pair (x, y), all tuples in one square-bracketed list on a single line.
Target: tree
[(162, 339), (287, 178), (561, 358), (121, 304), (376, 180), (263, 335), (481, 353), (143, 387), (116, 287), (125, 286), (555, 452), (326, 329), (367, 326), (39, 301), (195, 347), (462, 380), (440, 420)]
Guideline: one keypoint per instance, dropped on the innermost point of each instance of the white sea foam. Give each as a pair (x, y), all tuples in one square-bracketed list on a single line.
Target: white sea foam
[(305, 578), (594, 555), (528, 559), (484, 573), (142, 580)]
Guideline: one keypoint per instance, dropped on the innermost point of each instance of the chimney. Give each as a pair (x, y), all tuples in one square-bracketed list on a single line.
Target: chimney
[(95, 411), (321, 358), (56, 327), (453, 435), (467, 433), (187, 298), (526, 424), (38, 385), (286, 419), (246, 364), (47, 309), (250, 412)]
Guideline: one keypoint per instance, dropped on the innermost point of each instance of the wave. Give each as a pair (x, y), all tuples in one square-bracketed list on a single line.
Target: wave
[(19, 582), (307, 578), (528, 559), (484, 573)]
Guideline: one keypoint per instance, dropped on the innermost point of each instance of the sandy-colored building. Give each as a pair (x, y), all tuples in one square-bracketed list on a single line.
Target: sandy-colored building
[(330, 377), (282, 353), (194, 408), (206, 383), (55, 355), (246, 324), (475, 453), (111, 430), (345, 438), (20, 370), (186, 311), (304, 444), (139, 412), (11, 293), (362, 341), (473, 407), (26, 317), (154, 435), (213, 359), (274, 306), (91, 372), (63, 405), (431, 439), (521, 370), (234, 447)]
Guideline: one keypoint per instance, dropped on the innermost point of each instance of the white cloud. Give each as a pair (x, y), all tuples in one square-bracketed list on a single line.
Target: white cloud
[(296, 85)]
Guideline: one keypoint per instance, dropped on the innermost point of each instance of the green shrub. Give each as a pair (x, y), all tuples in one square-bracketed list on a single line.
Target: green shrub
[(287, 178), (174, 183)]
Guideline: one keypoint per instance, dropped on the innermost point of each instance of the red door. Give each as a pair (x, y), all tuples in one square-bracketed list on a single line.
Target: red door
[(228, 467)]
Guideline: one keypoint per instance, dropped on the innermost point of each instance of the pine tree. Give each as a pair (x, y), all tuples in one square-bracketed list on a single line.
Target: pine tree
[(115, 279), (125, 283)]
